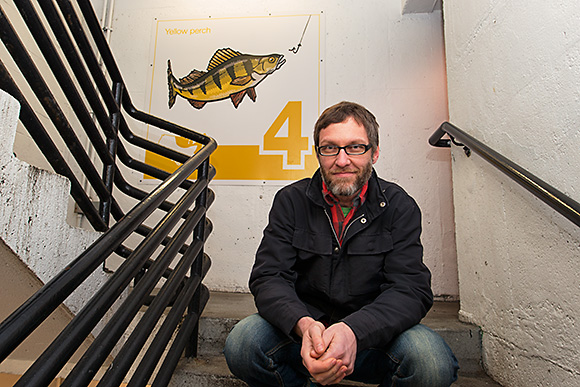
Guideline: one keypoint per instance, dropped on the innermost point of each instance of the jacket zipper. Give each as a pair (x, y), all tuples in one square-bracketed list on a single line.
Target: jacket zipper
[(331, 226), (340, 247), (352, 222), (347, 227), (332, 259)]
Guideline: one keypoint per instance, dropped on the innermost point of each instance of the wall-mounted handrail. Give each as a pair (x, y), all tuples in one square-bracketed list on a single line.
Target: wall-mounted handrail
[(544, 191)]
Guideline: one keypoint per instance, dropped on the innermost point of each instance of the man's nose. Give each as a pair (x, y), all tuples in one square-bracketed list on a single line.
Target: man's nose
[(342, 158)]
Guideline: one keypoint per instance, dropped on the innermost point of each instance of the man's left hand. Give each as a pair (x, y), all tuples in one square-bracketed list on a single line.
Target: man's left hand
[(341, 345)]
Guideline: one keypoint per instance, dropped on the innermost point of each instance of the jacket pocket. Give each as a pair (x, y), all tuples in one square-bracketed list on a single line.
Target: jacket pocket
[(313, 263), (311, 242), (365, 256)]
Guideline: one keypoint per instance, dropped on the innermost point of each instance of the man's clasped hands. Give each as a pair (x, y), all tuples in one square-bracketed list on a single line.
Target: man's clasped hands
[(328, 353)]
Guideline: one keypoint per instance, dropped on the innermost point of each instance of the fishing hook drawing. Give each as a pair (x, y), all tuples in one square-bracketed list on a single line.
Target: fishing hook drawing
[(295, 49)]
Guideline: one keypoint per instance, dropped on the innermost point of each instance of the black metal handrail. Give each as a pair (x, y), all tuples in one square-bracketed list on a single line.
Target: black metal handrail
[(544, 191), (160, 241)]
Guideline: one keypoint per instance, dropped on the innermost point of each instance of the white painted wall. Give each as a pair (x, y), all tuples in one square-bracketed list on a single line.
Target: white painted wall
[(390, 62), (513, 72)]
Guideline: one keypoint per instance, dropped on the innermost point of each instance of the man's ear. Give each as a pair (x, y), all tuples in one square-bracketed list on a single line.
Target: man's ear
[(375, 155)]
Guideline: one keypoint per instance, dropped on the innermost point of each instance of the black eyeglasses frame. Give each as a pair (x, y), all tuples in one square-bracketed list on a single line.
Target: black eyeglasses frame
[(366, 146)]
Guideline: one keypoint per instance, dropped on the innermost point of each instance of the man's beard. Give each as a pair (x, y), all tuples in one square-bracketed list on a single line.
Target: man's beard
[(343, 187)]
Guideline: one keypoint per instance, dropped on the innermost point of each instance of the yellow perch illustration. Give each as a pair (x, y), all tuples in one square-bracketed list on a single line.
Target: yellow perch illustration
[(230, 74)]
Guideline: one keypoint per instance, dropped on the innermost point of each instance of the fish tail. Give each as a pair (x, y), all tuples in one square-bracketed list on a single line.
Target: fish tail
[(171, 85)]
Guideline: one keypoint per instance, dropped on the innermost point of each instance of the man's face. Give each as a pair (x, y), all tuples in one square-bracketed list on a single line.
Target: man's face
[(345, 175)]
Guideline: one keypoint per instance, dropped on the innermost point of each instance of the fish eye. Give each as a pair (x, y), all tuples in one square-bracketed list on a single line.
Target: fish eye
[(271, 59)]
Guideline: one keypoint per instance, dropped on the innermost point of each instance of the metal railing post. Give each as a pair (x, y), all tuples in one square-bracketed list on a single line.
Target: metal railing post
[(109, 169), (195, 305)]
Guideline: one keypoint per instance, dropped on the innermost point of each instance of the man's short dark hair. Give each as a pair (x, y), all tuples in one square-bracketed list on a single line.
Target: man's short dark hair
[(341, 112)]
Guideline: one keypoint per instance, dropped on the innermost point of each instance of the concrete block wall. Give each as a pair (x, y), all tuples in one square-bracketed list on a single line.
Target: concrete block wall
[(513, 71), (33, 213)]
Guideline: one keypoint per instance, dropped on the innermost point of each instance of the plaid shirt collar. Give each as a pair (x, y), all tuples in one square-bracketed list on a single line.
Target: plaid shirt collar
[(339, 221)]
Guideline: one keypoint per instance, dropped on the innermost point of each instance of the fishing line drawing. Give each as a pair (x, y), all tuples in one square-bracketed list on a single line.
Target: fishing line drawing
[(296, 48), (230, 74)]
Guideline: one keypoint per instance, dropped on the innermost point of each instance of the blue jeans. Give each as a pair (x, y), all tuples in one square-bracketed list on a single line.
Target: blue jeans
[(261, 355)]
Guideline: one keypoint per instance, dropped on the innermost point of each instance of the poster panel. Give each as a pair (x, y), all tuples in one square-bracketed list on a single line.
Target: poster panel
[(252, 83)]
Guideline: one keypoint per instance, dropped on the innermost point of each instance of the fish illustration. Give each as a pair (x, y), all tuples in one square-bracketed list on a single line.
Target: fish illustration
[(230, 74)]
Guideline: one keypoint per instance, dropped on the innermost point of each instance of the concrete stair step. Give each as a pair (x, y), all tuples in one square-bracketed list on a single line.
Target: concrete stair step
[(212, 371), (224, 310)]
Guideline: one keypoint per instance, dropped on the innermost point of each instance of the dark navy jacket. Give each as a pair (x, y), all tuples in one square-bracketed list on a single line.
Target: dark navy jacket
[(375, 282)]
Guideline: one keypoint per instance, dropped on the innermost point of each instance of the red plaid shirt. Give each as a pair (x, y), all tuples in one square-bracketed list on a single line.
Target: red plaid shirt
[(339, 221)]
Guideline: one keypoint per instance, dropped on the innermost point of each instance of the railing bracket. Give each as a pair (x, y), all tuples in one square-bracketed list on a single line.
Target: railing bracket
[(465, 148)]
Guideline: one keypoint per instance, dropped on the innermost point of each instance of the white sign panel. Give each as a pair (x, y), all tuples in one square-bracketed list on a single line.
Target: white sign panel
[(252, 83)]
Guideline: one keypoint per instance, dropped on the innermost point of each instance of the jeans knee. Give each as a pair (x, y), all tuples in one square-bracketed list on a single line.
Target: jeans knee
[(427, 358), (239, 343), (261, 355)]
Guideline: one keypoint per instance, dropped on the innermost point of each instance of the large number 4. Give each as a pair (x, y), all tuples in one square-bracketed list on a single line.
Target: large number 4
[(294, 143)]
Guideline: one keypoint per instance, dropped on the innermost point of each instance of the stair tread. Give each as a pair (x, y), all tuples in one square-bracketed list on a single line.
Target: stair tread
[(224, 310), (213, 371), (443, 315), (229, 305)]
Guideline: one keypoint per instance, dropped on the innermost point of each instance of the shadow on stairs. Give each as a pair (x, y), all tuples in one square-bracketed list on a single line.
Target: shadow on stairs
[(224, 310)]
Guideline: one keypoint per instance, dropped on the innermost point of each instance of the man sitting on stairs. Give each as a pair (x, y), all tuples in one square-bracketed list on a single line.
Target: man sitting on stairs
[(339, 280)]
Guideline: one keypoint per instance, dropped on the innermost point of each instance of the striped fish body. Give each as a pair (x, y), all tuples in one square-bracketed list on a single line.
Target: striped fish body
[(229, 74)]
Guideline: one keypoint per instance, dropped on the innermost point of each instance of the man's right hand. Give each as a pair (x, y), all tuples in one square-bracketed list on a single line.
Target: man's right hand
[(327, 370)]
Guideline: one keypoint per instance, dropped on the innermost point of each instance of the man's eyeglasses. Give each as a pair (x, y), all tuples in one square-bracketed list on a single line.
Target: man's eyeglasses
[(351, 150)]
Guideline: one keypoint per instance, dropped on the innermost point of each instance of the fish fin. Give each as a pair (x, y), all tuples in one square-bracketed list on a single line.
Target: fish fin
[(241, 81), (197, 104), (220, 56), (237, 98), (252, 93), (170, 85), (191, 77)]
